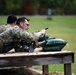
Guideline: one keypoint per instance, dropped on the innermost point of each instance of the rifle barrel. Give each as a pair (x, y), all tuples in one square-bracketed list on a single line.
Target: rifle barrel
[(46, 28)]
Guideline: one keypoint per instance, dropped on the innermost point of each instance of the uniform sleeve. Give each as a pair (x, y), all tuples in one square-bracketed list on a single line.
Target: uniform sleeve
[(24, 35), (2, 28), (16, 34)]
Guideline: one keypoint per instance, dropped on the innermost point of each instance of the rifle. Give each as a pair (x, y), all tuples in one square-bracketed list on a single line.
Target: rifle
[(51, 43), (44, 41), (28, 46)]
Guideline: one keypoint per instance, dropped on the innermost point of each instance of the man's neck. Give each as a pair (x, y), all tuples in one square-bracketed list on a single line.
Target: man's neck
[(12, 25)]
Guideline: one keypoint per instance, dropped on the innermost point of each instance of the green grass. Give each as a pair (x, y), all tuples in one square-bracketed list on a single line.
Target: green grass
[(60, 27)]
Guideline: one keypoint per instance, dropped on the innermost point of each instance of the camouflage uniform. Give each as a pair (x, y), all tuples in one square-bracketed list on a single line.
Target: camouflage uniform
[(15, 34), (4, 27)]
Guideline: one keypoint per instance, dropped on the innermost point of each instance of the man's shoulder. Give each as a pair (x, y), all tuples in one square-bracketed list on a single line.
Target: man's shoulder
[(2, 25), (5, 26), (2, 28), (15, 27)]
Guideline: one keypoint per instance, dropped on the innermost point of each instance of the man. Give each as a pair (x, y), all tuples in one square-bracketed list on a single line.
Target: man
[(11, 21), (18, 33), (25, 46)]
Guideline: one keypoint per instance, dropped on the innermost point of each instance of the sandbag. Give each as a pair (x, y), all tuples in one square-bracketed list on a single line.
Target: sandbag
[(54, 45), (55, 42)]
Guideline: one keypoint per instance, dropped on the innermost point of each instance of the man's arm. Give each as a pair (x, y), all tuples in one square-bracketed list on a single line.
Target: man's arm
[(15, 34), (24, 35)]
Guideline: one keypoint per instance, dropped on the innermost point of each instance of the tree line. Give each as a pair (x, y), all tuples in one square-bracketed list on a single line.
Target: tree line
[(37, 7)]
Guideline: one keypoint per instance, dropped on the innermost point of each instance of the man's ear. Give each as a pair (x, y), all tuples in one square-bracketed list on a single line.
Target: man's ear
[(21, 24), (14, 23)]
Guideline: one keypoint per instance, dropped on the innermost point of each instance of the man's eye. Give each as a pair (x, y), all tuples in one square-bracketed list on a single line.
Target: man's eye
[(27, 24)]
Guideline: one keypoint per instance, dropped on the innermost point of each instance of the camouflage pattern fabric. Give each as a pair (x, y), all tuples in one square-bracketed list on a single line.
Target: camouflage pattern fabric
[(16, 34), (4, 27)]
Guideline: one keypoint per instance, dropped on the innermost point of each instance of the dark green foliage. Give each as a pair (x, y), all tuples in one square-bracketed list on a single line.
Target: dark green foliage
[(32, 7)]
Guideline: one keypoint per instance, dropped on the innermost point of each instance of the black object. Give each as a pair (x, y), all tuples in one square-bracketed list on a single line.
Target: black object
[(44, 41), (51, 44)]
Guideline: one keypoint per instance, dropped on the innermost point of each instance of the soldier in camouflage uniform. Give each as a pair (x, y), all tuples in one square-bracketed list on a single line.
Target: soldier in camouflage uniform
[(18, 33), (11, 21)]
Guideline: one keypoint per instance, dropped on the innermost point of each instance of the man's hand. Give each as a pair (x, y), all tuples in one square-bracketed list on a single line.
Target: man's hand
[(43, 31), (35, 45)]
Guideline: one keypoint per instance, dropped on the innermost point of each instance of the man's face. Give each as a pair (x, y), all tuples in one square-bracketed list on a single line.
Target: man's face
[(25, 25)]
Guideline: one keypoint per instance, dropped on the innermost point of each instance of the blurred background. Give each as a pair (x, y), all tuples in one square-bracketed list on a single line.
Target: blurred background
[(37, 7)]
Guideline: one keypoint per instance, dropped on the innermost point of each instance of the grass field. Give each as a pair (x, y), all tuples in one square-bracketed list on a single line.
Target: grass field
[(60, 27)]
